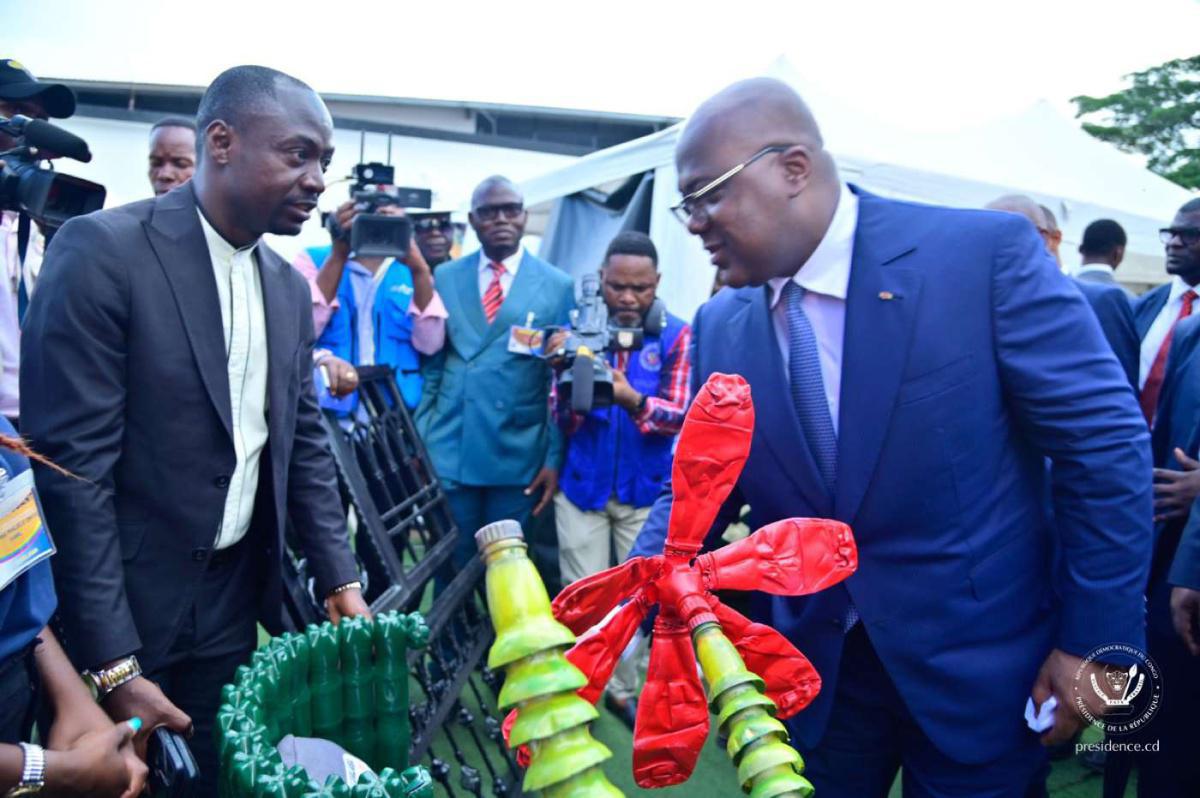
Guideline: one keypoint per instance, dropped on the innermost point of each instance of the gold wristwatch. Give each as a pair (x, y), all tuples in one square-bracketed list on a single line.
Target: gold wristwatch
[(102, 682), (33, 772)]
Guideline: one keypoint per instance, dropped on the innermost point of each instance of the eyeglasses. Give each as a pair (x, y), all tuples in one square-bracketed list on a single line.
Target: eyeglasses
[(430, 225), (489, 213), (690, 204), (1188, 235)]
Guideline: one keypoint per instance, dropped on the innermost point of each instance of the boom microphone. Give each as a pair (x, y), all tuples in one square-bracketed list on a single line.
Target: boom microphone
[(46, 136)]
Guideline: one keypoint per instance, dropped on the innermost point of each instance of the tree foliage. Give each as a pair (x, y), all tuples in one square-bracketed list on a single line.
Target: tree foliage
[(1157, 115)]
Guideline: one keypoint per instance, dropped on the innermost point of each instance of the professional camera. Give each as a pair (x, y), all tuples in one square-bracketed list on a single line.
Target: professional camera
[(374, 234), (46, 196), (586, 378)]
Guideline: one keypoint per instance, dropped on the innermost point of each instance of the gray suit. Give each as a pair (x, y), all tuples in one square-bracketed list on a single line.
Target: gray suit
[(1104, 277)]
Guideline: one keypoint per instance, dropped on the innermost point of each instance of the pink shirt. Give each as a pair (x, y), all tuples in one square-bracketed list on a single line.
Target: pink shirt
[(429, 325)]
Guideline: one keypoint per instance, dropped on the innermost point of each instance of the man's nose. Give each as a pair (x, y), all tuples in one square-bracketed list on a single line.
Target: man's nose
[(314, 181), (697, 223)]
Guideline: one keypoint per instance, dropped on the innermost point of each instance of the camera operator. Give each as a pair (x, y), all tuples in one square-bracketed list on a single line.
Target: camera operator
[(22, 240), (373, 311), (618, 456), (84, 754)]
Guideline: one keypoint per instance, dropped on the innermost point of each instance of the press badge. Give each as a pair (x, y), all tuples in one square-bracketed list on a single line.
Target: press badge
[(525, 340), (24, 541)]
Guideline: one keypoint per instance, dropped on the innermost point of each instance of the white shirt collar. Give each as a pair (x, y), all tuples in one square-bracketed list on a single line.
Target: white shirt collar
[(1096, 267), (1179, 287), (511, 263), (827, 270), (218, 247)]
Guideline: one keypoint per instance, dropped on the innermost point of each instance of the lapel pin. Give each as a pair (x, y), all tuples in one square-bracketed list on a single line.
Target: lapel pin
[(886, 295)]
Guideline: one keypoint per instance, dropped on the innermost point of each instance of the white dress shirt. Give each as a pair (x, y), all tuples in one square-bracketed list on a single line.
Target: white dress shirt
[(239, 289), (1103, 268), (10, 325), (511, 264), (825, 278), (1160, 327)]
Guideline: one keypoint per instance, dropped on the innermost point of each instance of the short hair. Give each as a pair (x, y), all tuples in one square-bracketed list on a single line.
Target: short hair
[(174, 121), (1051, 220), (632, 242), (1191, 206), (240, 91), (1101, 237)]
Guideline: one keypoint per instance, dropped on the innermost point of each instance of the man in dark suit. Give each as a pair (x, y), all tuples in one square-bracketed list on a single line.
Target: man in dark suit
[(912, 367), (1102, 250), (167, 362), (1158, 310)]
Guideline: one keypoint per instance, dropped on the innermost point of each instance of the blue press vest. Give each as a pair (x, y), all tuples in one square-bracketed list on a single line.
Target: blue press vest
[(390, 321), (609, 456)]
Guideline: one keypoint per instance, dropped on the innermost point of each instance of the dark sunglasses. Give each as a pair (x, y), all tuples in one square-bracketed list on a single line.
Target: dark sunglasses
[(489, 213), (1188, 235), (429, 225)]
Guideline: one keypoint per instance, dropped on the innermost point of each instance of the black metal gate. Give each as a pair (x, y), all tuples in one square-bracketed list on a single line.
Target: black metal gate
[(404, 536)]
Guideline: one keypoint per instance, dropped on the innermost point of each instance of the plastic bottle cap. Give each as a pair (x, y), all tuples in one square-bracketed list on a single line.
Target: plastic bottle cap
[(497, 531)]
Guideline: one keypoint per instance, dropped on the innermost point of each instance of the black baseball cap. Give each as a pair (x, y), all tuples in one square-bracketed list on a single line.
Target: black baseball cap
[(18, 83)]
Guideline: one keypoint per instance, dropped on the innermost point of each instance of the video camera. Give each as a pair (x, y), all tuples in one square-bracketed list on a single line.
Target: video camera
[(586, 378), (48, 197), (374, 234)]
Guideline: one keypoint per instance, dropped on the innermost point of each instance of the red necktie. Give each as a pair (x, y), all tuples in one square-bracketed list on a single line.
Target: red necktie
[(1154, 380), (493, 298)]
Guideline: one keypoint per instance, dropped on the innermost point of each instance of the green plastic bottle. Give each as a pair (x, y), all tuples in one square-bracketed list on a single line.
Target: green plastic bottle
[(282, 658), (297, 646), (391, 691), (415, 782), (326, 684), (358, 688)]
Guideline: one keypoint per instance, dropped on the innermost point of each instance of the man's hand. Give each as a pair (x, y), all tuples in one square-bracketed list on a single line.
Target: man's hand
[(554, 349), (624, 394), (346, 604), (1185, 614), (142, 698), (74, 722), (96, 766), (344, 214), (546, 481), (1174, 491), (342, 377), (1057, 678)]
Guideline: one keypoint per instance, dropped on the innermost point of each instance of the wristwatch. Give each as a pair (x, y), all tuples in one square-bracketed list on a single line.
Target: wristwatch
[(102, 682), (33, 774)]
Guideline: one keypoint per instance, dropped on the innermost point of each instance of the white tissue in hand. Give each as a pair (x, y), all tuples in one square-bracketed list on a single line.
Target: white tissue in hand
[(1043, 718)]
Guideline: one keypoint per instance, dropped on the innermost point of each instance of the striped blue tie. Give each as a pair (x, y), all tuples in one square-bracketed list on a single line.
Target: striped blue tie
[(808, 390)]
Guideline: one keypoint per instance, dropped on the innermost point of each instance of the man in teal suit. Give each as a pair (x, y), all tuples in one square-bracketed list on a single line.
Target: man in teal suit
[(484, 412)]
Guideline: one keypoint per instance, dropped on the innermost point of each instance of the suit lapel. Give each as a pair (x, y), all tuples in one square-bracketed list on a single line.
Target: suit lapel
[(178, 241), (469, 300), (282, 337), (772, 399), (881, 307)]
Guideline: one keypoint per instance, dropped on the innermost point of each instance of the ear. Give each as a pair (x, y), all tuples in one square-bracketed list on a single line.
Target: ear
[(657, 278), (218, 141), (798, 168), (471, 220), (1118, 255)]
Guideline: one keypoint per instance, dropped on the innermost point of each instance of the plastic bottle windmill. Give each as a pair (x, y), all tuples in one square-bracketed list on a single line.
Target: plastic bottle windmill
[(740, 660)]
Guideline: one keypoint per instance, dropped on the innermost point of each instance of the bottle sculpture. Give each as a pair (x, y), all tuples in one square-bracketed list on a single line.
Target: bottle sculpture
[(755, 675), (564, 759)]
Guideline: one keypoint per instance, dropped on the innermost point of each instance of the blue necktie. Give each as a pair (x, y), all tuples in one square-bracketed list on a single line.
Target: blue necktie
[(808, 389)]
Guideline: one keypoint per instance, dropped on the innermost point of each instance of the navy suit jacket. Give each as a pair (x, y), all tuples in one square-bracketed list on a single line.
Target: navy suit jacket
[(968, 359), (1112, 310), (1177, 553), (1148, 306)]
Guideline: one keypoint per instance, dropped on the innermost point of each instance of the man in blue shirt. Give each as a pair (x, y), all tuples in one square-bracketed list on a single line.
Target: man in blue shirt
[(618, 456)]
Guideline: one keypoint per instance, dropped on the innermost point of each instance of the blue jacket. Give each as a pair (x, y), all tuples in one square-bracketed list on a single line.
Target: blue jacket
[(484, 412), (1112, 310), (968, 359), (1147, 307), (608, 455), (390, 321), (1177, 548)]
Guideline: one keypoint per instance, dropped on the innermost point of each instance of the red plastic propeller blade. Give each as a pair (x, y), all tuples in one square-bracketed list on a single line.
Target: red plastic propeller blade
[(584, 603), (792, 557), (713, 446), (672, 717), (599, 649), (792, 681)]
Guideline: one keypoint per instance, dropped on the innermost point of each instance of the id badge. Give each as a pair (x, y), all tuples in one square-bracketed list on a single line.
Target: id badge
[(24, 541), (525, 340)]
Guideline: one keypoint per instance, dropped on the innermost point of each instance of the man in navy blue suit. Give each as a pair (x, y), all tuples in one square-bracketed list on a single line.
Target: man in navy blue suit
[(912, 367)]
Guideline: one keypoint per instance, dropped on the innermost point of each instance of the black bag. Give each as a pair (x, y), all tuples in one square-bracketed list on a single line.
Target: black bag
[(173, 770)]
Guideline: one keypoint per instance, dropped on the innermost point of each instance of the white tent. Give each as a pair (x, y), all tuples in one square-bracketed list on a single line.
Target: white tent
[(1039, 153)]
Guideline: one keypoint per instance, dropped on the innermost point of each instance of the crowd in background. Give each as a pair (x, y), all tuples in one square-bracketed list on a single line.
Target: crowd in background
[(185, 410)]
